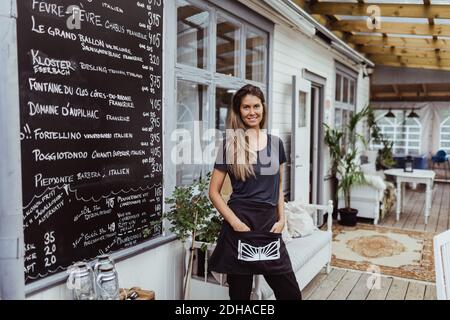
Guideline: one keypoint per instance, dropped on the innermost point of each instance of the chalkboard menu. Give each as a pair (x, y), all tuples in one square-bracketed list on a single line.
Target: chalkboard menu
[(91, 128)]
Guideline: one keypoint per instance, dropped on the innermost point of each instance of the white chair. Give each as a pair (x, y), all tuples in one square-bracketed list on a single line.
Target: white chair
[(373, 199), (442, 265), (367, 200)]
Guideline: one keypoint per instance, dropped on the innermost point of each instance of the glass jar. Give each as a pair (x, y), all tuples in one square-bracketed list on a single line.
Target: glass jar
[(107, 283), (81, 281), (102, 260)]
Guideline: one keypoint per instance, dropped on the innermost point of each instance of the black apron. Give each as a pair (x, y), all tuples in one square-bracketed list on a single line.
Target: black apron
[(258, 251)]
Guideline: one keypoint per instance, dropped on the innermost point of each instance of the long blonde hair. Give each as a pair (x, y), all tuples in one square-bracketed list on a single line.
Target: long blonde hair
[(240, 157)]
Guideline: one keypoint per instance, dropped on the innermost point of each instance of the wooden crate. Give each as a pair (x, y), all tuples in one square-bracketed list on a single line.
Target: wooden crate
[(142, 294)]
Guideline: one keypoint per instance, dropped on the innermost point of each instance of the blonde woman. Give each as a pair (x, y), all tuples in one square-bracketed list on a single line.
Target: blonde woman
[(250, 239)]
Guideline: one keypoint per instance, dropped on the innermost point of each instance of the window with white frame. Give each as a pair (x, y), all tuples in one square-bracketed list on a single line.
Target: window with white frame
[(345, 98), (405, 133), (217, 53), (445, 135)]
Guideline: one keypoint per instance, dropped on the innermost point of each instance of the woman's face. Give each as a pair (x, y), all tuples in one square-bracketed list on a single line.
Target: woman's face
[(252, 111)]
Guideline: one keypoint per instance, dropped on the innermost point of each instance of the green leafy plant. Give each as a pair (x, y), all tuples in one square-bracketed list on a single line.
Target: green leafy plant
[(343, 157), (350, 174), (191, 211), (333, 140), (210, 232), (375, 134), (385, 158)]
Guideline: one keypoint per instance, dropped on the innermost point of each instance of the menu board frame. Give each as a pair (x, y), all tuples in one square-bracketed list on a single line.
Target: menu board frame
[(51, 62)]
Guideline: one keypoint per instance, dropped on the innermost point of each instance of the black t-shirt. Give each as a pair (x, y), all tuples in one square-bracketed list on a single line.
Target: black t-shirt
[(265, 185)]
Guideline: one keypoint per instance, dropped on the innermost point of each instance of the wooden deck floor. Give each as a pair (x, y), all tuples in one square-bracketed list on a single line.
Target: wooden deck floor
[(342, 284), (412, 216)]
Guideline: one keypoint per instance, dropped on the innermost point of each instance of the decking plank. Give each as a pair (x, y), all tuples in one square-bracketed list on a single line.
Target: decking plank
[(312, 286), (326, 287), (345, 286), (417, 208), (416, 291), (420, 224), (397, 290), (380, 293), (409, 208), (361, 289), (340, 280), (435, 209), (430, 292), (444, 212)]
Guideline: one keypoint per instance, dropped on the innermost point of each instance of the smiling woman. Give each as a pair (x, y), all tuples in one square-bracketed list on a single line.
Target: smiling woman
[(250, 238), (247, 112)]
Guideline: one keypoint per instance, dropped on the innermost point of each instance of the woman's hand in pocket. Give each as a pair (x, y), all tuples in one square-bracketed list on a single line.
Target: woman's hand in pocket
[(239, 226), (277, 227)]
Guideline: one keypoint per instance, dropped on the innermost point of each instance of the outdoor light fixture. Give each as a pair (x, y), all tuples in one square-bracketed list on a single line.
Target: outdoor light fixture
[(408, 164), (367, 70), (390, 114), (413, 114)]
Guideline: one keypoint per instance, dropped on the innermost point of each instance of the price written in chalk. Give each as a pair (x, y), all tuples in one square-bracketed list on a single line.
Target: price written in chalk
[(50, 248)]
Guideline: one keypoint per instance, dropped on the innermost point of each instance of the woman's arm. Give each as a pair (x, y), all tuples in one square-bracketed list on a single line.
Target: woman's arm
[(279, 225), (217, 179)]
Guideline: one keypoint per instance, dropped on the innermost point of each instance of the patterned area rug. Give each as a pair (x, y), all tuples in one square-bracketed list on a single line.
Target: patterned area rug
[(396, 252)]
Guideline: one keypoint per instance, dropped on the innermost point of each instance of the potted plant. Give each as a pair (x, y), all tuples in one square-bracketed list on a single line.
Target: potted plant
[(333, 140), (192, 218), (350, 175), (383, 157), (375, 136), (344, 162)]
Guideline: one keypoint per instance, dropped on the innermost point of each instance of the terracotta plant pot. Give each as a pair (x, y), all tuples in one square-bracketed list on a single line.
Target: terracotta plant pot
[(348, 217)]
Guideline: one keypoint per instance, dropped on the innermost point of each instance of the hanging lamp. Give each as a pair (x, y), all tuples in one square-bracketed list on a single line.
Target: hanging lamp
[(390, 114), (413, 114)]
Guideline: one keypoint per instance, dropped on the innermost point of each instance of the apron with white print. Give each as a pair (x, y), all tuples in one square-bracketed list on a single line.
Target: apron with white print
[(258, 251)]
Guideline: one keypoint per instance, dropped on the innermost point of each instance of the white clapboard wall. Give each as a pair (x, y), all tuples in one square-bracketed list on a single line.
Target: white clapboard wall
[(294, 51)]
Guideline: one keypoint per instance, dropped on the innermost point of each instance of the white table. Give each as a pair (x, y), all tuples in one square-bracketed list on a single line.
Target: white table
[(417, 176)]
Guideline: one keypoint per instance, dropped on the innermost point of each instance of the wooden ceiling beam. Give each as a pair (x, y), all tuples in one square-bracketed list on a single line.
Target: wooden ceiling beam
[(326, 20), (392, 28), (431, 53), (432, 11), (300, 3), (427, 4), (399, 42), (383, 62), (395, 88), (411, 99), (409, 60), (320, 18), (410, 94)]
